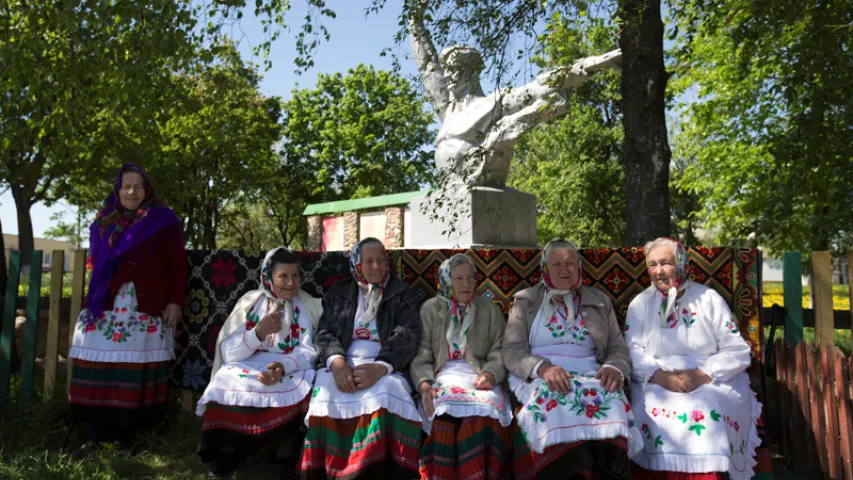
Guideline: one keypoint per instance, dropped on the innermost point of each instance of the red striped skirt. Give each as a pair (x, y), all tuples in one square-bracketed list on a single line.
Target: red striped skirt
[(120, 394), (471, 448), (376, 446)]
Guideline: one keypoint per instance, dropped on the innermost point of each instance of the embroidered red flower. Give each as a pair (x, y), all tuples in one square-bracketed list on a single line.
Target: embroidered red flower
[(627, 407), (90, 327), (698, 416), (737, 427), (591, 410), (245, 371), (143, 317), (540, 400), (288, 350), (103, 316), (655, 412), (589, 392), (152, 328), (224, 273), (551, 405), (116, 337), (457, 390), (123, 309), (294, 330), (250, 325)]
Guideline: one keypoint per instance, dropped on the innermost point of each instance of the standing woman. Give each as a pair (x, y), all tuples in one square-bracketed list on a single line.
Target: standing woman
[(458, 371), (123, 340)]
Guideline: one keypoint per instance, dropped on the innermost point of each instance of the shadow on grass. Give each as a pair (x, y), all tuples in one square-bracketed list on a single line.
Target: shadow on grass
[(30, 441)]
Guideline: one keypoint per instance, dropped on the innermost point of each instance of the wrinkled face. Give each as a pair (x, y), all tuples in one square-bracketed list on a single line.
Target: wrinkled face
[(464, 281), (563, 268), (285, 280), (132, 190), (663, 268), (373, 263)]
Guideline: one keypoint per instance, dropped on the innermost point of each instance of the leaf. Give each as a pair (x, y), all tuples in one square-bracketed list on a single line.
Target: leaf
[(682, 417), (715, 416)]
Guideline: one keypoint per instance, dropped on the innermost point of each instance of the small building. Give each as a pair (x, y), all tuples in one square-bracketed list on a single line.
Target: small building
[(47, 246), (341, 224)]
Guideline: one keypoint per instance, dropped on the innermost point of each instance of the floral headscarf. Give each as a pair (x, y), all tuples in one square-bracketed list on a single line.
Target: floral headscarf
[(270, 302), (682, 281), (461, 315), (557, 299), (374, 290)]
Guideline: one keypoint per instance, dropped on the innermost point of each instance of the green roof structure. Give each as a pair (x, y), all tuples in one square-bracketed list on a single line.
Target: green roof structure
[(339, 206)]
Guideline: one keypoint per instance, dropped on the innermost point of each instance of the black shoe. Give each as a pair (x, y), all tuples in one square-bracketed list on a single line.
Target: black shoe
[(85, 449), (222, 468)]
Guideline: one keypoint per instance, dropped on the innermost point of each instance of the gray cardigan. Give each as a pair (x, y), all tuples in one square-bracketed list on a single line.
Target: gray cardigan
[(610, 345), (484, 340)]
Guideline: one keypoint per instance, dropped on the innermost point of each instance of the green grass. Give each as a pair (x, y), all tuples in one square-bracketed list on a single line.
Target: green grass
[(842, 338), (30, 440)]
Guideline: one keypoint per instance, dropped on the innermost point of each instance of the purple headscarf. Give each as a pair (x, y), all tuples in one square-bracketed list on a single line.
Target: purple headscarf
[(118, 230)]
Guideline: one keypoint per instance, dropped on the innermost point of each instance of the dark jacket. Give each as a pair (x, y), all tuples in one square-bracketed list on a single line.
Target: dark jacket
[(398, 321), (158, 268)]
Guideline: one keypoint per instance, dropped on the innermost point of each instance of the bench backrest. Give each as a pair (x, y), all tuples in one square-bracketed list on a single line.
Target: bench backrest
[(218, 278)]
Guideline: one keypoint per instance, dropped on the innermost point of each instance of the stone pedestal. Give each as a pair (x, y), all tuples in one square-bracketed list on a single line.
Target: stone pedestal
[(485, 217)]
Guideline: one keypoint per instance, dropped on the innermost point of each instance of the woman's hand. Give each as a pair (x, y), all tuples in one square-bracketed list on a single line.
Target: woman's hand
[(273, 374), (672, 381), (172, 315), (611, 379), (485, 381), (428, 394), (694, 378), (555, 377), (271, 323), (367, 375), (343, 375)]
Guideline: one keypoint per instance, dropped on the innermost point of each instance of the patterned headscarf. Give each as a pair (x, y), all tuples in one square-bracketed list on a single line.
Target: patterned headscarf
[(113, 212), (682, 281), (461, 315), (374, 290), (270, 301), (554, 299), (117, 230)]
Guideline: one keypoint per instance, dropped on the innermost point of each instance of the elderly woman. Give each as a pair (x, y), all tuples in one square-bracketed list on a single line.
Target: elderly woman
[(123, 340), (691, 393), (362, 422), (568, 363), (264, 367), (458, 372)]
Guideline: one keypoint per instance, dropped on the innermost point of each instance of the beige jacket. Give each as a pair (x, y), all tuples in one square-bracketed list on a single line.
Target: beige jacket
[(484, 340), (610, 345)]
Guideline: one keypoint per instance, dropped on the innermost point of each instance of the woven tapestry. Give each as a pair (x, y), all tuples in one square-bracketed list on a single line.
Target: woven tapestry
[(219, 278)]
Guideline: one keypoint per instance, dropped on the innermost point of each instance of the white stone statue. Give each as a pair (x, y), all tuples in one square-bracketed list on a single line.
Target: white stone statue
[(478, 132)]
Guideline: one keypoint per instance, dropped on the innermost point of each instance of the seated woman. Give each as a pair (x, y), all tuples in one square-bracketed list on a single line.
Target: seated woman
[(362, 422), (568, 362), (691, 393), (466, 413), (264, 368)]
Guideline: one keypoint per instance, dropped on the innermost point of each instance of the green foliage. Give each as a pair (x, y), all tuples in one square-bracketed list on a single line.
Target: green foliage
[(768, 142), (572, 164), (357, 135)]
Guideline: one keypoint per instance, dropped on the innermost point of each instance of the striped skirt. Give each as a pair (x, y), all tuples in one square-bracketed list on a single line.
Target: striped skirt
[(565, 460), (245, 428), (375, 446), (471, 448), (128, 395)]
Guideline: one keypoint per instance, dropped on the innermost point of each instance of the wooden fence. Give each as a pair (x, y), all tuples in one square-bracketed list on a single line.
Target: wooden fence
[(812, 416)]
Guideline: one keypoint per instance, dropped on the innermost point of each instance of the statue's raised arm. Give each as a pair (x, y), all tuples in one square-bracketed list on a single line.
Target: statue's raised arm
[(427, 60), (549, 85)]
